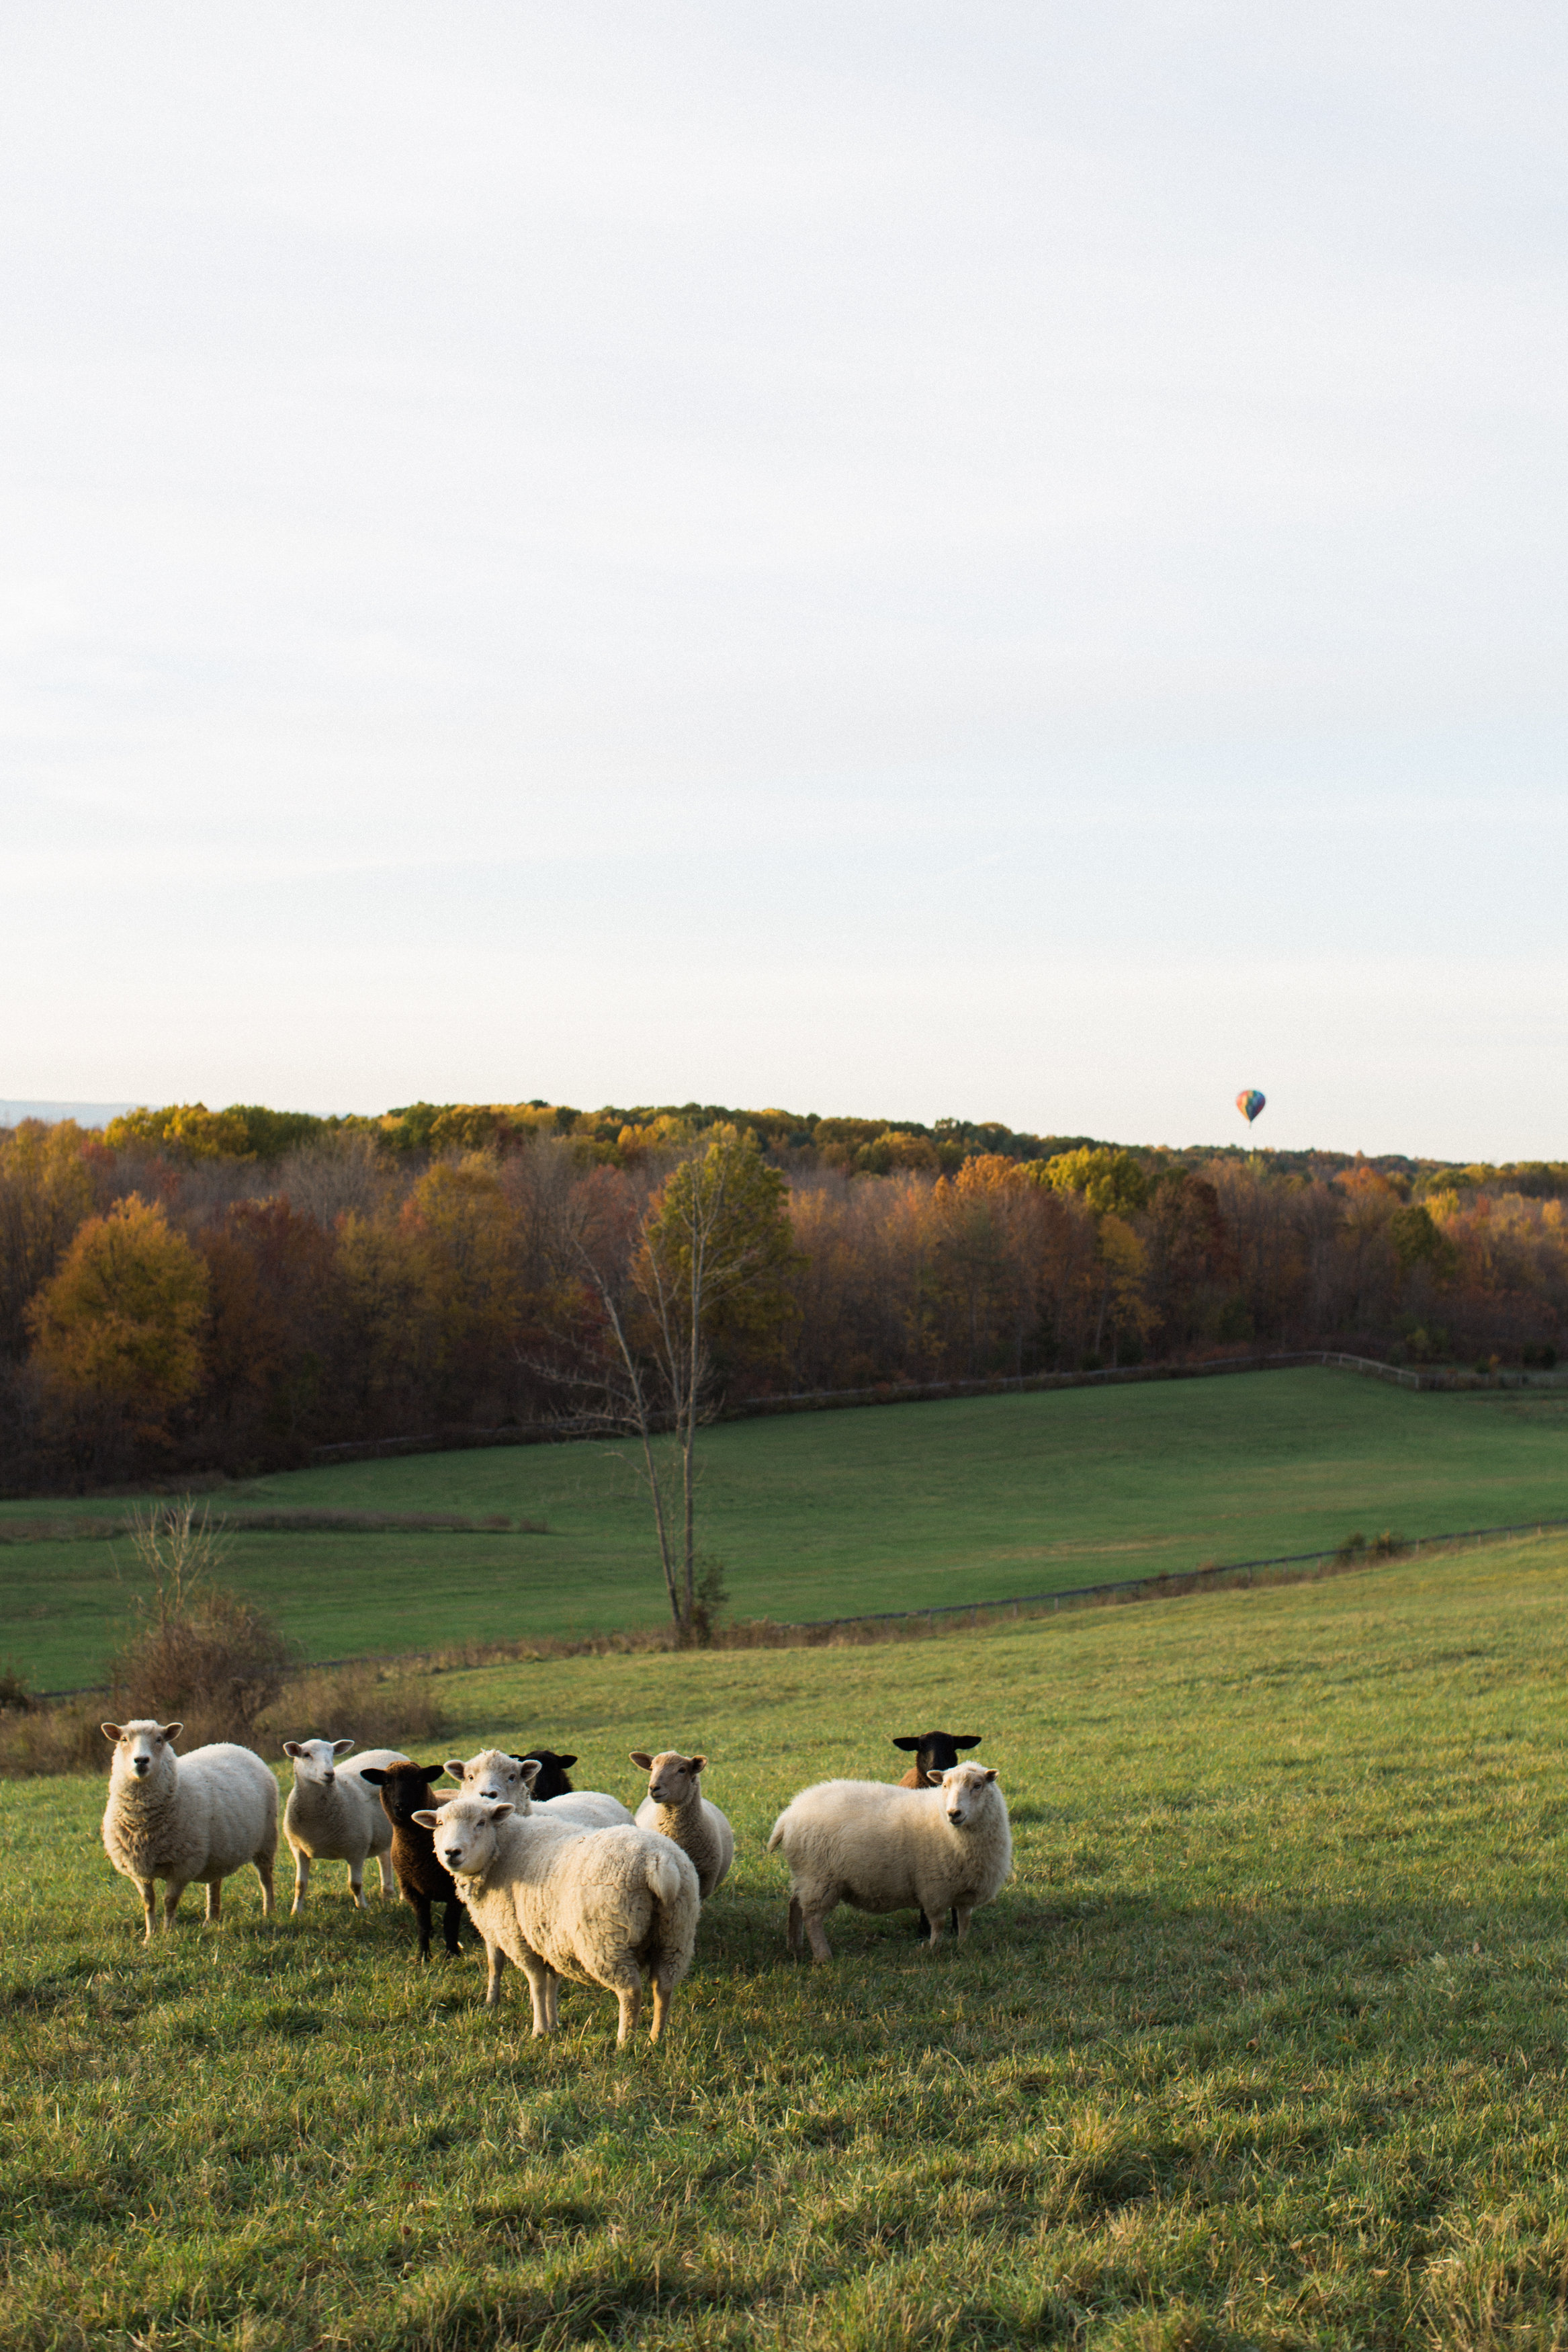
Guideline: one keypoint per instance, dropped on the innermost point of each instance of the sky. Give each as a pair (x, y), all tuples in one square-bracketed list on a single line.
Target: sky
[(984, 561)]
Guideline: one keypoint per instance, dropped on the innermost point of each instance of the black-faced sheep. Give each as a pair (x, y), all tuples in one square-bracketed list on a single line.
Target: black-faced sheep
[(332, 1815), (182, 1818), (884, 1849), (675, 1807), (600, 1907), (405, 1788)]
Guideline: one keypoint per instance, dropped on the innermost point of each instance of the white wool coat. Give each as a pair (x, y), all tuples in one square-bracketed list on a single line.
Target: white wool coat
[(195, 1818), (883, 1847), (598, 1906)]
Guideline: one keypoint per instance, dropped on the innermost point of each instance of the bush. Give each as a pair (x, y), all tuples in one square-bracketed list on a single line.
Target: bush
[(374, 1705), (200, 1655)]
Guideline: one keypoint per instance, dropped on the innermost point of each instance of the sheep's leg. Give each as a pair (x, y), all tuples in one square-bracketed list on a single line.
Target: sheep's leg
[(630, 1996), (357, 1883), (539, 1982), (552, 1998), (172, 1894), (497, 1960), (922, 1926), (821, 1947), (422, 1910), (389, 1884), (793, 1932), (214, 1900), (147, 1889), (301, 1880), (264, 1872), (934, 1937), (452, 1926), (663, 1995), (961, 1920)]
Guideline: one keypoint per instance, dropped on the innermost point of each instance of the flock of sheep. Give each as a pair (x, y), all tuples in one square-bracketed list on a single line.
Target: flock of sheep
[(560, 1881)]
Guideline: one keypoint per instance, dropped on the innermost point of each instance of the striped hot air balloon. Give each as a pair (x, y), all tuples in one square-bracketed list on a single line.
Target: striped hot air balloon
[(1250, 1102)]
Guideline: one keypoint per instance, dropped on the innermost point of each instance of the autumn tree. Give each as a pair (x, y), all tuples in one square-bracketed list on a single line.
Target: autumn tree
[(701, 1271), (120, 1325)]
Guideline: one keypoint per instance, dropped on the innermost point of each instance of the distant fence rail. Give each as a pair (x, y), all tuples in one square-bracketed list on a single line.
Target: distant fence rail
[(1162, 1584), (554, 1433)]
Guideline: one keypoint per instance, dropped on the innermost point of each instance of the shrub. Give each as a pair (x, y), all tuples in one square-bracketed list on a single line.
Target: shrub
[(374, 1705), (199, 1653)]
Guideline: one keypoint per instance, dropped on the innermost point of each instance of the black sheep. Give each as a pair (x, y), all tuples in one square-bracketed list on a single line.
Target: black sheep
[(552, 1780), (935, 1751), (405, 1788)]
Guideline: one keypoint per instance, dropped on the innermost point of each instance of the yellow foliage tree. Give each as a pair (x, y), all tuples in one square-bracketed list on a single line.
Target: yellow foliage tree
[(190, 1130), (121, 1321)]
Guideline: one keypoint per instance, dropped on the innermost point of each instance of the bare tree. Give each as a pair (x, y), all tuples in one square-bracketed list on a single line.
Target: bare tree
[(706, 1255)]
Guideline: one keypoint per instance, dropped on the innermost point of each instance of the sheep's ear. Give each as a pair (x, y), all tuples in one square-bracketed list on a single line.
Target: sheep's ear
[(341, 1747), (907, 1743), (373, 1774), (991, 1772), (171, 1730), (292, 1747), (695, 1763), (565, 1763), (429, 1772), (934, 1779), (425, 1817), (967, 1738), (530, 1768), (453, 1768), (111, 1731), (643, 1760), (498, 1812)]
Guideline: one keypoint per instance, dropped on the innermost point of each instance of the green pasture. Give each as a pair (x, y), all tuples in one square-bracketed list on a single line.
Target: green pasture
[(1263, 2046), (830, 1514)]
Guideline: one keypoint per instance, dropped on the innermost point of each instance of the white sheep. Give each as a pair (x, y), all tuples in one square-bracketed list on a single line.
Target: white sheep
[(601, 1906), (499, 1778), (892, 1849), (675, 1807), (180, 1818), (334, 1816)]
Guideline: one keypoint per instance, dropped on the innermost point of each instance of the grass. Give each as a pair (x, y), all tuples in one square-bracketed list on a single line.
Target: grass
[(828, 1514), (1263, 2045)]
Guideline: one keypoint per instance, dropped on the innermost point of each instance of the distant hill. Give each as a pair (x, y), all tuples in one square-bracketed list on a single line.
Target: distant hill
[(12, 1113)]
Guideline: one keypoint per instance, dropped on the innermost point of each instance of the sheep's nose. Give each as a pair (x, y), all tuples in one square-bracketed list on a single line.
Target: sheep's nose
[(327, 1778), (141, 1763)]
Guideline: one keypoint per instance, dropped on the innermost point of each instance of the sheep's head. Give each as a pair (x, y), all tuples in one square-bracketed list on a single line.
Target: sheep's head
[(315, 1761), (673, 1777), (497, 1778), (553, 1769), (140, 1747), (463, 1832), (402, 1786), (936, 1752), (965, 1792)]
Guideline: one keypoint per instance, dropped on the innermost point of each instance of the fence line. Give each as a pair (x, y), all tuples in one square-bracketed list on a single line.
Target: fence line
[(548, 1433)]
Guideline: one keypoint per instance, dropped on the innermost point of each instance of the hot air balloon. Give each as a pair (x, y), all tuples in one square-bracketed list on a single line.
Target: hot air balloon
[(1250, 1102)]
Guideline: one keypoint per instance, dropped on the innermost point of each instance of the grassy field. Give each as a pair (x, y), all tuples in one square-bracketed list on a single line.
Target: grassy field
[(829, 1514), (1263, 2046)]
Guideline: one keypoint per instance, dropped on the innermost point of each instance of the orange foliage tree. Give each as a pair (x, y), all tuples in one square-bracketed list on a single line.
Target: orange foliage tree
[(119, 1324)]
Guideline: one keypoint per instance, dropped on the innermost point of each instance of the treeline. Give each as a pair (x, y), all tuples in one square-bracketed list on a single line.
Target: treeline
[(225, 1290)]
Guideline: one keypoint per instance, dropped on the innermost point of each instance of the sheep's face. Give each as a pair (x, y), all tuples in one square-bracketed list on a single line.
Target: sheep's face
[(673, 1777), (315, 1761), (141, 1745), (964, 1793), (463, 1832), (403, 1787), (936, 1752), (496, 1778)]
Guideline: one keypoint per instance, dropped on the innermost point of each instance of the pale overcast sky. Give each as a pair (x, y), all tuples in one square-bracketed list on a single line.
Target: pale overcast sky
[(1004, 561)]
